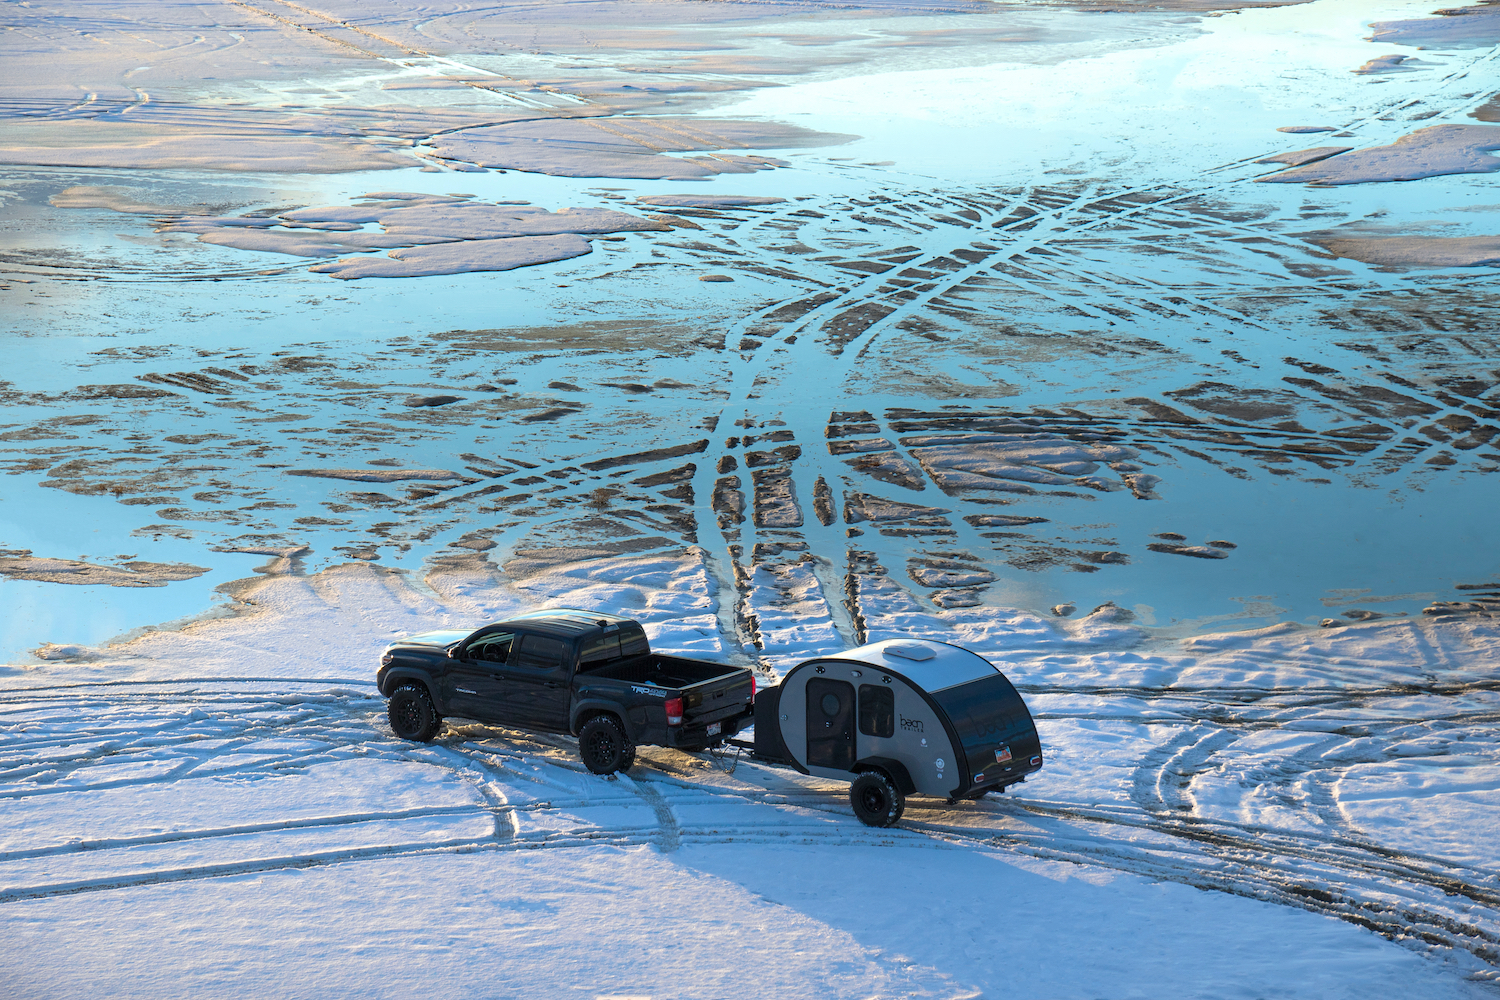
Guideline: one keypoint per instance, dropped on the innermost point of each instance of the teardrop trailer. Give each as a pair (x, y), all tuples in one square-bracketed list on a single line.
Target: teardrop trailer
[(893, 718), (896, 718)]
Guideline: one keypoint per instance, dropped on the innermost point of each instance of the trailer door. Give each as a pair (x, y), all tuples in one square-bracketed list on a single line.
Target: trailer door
[(830, 724)]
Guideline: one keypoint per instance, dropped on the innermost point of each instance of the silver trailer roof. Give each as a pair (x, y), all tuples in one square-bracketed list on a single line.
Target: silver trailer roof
[(930, 664)]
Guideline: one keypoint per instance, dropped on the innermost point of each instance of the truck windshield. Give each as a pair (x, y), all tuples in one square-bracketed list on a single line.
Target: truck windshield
[(990, 717)]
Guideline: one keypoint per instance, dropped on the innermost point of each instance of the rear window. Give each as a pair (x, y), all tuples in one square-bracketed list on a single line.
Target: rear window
[(599, 649), (633, 640)]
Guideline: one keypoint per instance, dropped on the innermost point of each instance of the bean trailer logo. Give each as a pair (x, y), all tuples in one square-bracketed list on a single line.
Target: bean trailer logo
[(912, 725)]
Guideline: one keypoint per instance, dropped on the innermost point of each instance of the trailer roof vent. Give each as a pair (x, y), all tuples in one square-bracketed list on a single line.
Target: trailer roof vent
[(910, 651)]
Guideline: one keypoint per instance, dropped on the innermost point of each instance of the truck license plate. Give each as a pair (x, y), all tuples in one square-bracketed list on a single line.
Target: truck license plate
[(714, 728)]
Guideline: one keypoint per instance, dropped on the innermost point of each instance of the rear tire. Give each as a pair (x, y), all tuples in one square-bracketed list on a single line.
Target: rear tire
[(876, 799), (604, 747), (412, 715)]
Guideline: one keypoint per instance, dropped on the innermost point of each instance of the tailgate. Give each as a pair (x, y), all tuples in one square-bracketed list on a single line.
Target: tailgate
[(721, 697)]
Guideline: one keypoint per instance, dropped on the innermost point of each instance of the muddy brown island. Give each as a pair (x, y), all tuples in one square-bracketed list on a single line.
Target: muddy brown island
[(893, 718)]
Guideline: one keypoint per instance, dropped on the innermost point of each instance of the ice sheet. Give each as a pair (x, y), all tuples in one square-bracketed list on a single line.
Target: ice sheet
[(1416, 251), (1453, 28), (625, 147), (460, 257), (471, 236), (1427, 152), (96, 147)]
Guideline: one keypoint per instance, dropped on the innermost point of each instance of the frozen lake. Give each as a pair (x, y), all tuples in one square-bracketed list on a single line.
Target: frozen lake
[(881, 316), (1063, 231)]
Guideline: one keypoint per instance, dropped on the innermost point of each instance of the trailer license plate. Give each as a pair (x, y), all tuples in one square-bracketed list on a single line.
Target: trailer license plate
[(714, 728)]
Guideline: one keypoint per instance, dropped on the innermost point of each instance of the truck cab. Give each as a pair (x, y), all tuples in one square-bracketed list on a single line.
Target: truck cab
[(557, 671)]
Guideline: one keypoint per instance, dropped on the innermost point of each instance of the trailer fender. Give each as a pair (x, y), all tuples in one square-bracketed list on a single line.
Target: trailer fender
[(594, 706), (892, 767)]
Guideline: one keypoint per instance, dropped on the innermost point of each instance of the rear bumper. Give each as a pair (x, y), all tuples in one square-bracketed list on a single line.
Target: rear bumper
[(696, 734), (999, 776)]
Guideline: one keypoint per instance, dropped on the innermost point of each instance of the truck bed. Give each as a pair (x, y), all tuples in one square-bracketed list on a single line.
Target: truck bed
[(662, 671)]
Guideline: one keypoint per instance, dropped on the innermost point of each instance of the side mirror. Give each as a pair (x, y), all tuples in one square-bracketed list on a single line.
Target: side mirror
[(452, 652)]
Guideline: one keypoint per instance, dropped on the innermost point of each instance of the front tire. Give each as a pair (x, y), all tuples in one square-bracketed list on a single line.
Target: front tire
[(604, 747), (412, 715), (876, 799)]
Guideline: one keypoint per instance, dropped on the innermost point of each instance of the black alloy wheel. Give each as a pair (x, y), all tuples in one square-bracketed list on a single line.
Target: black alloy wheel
[(412, 715), (876, 799), (603, 745)]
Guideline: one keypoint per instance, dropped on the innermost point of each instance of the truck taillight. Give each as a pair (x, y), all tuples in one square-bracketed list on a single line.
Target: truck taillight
[(674, 711), (386, 659), (752, 687)]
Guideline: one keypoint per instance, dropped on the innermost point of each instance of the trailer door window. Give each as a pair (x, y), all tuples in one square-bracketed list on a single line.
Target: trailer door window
[(830, 723), (877, 711)]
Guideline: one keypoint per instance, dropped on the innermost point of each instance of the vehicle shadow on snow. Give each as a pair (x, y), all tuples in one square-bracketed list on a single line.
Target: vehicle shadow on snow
[(1001, 924)]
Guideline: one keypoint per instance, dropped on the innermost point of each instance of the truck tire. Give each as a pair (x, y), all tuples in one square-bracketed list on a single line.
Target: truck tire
[(412, 715), (876, 799), (603, 745)]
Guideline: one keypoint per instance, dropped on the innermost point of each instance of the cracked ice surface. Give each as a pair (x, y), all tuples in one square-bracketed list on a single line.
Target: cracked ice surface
[(952, 320)]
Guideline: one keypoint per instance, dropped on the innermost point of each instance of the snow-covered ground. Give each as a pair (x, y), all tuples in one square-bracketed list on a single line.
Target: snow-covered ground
[(1147, 350), (223, 809)]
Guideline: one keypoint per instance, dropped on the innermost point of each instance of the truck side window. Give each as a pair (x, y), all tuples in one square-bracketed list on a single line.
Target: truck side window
[(599, 649), (492, 648), (538, 652), (877, 710), (633, 641)]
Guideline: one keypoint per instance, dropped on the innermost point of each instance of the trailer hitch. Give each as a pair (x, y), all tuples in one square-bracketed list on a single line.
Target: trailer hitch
[(725, 758)]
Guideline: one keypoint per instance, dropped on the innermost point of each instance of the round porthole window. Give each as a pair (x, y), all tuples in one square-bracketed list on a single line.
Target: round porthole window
[(830, 705)]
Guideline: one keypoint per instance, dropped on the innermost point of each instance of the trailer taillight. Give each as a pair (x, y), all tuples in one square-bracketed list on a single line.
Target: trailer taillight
[(674, 711)]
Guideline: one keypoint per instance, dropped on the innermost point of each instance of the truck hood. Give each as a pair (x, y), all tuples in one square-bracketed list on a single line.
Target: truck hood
[(440, 639)]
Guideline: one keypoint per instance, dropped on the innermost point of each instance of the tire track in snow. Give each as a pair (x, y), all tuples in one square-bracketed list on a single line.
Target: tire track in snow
[(1391, 892)]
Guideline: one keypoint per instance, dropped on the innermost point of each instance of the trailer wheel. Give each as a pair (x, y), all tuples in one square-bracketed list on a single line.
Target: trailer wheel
[(412, 715), (603, 745), (876, 799)]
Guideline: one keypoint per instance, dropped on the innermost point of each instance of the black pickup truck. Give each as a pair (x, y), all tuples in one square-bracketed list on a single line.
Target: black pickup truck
[(565, 671)]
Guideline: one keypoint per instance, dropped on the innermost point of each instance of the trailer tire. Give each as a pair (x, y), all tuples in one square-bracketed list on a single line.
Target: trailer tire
[(412, 715), (603, 745), (876, 799)]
